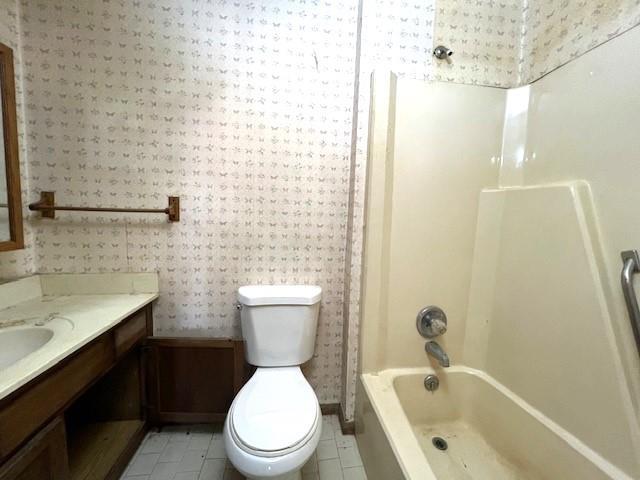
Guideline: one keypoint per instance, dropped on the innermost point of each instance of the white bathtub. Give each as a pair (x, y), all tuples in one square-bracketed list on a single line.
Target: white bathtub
[(491, 433)]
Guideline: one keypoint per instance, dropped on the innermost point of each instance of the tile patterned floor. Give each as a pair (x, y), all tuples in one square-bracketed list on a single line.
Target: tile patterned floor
[(196, 452)]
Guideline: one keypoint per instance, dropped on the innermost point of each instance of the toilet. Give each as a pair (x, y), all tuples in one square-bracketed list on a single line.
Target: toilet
[(274, 423)]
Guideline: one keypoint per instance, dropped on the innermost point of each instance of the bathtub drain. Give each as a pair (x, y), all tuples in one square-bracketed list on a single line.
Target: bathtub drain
[(440, 443)]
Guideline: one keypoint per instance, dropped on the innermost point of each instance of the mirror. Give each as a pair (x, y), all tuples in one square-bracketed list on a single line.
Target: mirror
[(11, 236)]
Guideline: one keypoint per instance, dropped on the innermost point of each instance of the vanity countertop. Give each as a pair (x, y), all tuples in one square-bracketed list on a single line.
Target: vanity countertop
[(71, 309)]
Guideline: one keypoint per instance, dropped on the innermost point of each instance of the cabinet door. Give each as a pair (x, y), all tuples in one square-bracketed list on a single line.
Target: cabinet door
[(192, 380), (44, 457)]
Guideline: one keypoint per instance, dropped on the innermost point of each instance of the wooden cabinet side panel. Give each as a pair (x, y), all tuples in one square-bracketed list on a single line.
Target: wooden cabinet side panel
[(43, 458)]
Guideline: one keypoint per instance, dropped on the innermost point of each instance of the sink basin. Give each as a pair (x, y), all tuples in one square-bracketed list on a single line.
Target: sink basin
[(17, 344)]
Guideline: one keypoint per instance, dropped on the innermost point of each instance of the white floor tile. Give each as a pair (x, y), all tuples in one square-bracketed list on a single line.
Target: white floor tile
[(173, 452), (354, 473), (164, 471), (192, 461), (216, 447), (334, 421), (213, 469), (154, 443), (186, 476), (330, 469), (199, 441), (196, 452), (327, 429), (343, 441), (143, 464), (350, 457), (177, 433), (327, 449)]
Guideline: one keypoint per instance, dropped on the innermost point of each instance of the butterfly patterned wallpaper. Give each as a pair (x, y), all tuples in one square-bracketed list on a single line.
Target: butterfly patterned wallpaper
[(242, 109), (256, 115), (485, 37), (17, 263), (557, 32)]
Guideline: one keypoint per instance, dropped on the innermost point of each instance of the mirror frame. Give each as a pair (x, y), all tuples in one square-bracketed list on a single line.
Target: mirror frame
[(12, 162)]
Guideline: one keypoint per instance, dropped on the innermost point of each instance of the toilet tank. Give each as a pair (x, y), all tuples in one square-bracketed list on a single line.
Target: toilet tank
[(279, 323)]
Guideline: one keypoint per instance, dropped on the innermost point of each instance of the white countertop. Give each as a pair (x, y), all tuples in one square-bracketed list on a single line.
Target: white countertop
[(75, 319)]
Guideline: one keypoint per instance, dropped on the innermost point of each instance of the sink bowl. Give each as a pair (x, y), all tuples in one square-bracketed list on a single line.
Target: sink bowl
[(17, 344)]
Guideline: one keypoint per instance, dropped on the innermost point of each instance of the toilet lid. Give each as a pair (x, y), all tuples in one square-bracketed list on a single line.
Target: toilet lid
[(275, 410)]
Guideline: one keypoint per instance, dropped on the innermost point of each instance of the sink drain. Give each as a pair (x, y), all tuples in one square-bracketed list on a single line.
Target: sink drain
[(440, 443)]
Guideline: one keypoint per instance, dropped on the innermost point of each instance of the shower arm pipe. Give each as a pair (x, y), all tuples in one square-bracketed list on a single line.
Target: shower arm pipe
[(631, 265)]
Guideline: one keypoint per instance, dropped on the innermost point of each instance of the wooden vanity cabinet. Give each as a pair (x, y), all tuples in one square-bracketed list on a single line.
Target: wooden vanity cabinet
[(44, 457), (83, 418)]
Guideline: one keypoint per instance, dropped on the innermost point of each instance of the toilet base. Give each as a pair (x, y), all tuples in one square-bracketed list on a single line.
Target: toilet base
[(289, 476)]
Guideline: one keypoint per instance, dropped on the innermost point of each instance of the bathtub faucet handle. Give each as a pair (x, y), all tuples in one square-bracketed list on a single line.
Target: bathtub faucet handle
[(431, 322)]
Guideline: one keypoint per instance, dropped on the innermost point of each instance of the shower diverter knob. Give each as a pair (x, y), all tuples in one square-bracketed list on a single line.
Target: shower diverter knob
[(431, 322)]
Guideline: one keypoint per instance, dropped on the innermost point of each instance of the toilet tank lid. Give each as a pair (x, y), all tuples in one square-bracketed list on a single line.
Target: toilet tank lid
[(279, 294)]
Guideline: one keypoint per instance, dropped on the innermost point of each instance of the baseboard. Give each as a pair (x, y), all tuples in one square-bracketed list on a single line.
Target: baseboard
[(348, 428)]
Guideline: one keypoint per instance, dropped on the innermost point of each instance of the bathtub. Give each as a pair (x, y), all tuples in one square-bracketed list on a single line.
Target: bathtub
[(490, 432)]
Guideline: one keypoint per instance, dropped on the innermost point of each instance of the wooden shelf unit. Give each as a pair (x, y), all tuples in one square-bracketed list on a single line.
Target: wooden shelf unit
[(95, 448)]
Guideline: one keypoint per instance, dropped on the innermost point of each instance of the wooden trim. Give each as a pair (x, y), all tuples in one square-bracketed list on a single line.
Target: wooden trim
[(127, 454), (192, 342), (12, 161), (239, 377), (149, 320), (329, 408), (145, 365), (348, 428), (129, 334)]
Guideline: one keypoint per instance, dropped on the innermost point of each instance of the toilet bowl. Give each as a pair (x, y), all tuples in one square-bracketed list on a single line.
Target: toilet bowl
[(274, 423)]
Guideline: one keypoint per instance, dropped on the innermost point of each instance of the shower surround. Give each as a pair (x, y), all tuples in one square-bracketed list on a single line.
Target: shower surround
[(526, 201)]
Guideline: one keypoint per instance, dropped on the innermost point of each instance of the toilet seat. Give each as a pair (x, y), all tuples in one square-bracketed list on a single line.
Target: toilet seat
[(275, 413)]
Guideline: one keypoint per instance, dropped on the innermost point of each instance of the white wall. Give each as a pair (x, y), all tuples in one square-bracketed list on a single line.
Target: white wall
[(538, 321), (546, 315), (582, 124), (443, 146)]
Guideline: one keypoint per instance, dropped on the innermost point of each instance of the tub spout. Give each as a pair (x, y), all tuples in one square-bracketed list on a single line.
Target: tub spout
[(435, 350)]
